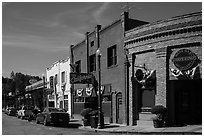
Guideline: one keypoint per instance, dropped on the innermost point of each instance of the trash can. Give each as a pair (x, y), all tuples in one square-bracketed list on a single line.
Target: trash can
[(94, 121)]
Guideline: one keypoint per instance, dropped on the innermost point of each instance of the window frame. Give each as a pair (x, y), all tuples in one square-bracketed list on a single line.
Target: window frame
[(112, 56), (78, 67), (92, 64)]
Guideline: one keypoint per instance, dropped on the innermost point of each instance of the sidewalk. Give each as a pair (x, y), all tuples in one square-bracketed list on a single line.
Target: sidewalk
[(123, 129)]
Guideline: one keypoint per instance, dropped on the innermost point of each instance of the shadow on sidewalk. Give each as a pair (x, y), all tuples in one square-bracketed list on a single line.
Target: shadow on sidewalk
[(110, 126)]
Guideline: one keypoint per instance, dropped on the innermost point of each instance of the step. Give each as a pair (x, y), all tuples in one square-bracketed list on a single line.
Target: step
[(144, 123), (146, 116)]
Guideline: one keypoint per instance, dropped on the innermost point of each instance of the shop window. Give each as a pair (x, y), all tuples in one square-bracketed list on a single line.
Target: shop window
[(92, 43), (106, 98), (78, 67), (92, 59), (51, 82), (63, 77), (79, 99), (65, 96), (66, 105), (112, 56)]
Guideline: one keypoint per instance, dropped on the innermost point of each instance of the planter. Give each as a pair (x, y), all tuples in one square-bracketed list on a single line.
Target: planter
[(94, 121), (158, 123)]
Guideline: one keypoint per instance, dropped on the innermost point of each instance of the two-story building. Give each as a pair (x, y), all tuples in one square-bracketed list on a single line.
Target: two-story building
[(110, 41), (58, 80)]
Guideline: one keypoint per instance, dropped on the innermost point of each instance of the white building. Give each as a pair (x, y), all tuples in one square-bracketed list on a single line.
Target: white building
[(58, 80)]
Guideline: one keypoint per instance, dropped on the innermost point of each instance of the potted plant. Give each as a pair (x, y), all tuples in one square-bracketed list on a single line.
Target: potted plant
[(86, 116), (160, 112)]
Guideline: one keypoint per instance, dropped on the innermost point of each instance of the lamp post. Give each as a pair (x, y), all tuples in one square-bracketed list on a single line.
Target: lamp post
[(98, 53), (100, 113)]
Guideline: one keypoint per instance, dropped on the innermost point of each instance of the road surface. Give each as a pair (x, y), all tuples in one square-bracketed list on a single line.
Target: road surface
[(14, 126)]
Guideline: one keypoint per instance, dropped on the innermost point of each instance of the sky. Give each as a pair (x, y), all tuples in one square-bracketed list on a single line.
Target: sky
[(37, 34)]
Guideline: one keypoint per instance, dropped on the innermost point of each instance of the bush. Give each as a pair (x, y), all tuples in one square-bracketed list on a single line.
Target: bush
[(93, 113), (85, 112), (159, 109)]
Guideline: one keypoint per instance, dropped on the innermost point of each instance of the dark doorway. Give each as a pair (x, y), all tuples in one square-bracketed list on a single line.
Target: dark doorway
[(119, 111), (147, 100), (188, 101)]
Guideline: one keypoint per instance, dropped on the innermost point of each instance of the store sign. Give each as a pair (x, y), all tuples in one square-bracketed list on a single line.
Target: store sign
[(80, 78), (184, 59), (32, 81)]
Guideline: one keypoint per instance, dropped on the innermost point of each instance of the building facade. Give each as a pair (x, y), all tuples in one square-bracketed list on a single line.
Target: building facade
[(58, 80), (110, 41), (166, 69), (34, 95)]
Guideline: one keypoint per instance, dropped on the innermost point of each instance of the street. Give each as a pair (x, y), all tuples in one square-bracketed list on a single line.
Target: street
[(14, 126)]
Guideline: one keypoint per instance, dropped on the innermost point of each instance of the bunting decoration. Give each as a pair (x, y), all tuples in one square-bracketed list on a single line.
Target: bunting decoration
[(79, 92), (89, 91), (189, 74), (102, 90)]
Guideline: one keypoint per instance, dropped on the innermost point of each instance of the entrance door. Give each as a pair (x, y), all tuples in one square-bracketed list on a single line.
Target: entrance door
[(147, 100), (119, 111), (188, 101)]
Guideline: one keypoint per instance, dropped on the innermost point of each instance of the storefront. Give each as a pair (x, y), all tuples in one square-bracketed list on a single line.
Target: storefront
[(165, 59), (87, 98)]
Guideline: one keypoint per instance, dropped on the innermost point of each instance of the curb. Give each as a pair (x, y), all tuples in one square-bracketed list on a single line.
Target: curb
[(142, 132)]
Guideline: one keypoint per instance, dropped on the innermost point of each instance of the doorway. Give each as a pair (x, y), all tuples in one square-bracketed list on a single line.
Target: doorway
[(119, 112), (188, 101)]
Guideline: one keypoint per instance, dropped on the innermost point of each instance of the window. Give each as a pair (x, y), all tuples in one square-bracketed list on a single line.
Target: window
[(106, 98), (66, 105), (63, 77), (92, 43), (51, 82), (112, 56), (78, 67), (92, 59), (55, 79), (65, 96)]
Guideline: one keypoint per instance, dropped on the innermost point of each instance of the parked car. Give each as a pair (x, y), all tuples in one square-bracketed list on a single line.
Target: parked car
[(7, 110), (52, 115), (25, 112), (12, 112)]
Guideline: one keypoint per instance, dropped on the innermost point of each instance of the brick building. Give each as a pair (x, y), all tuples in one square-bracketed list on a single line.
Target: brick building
[(166, 69), (113, 70)]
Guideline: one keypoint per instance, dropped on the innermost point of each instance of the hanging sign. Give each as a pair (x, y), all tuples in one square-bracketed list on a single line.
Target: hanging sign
[(32, 81), (81, 78), (184, 59)]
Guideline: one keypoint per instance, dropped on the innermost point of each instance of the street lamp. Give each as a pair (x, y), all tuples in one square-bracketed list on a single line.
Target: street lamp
[(98, 54)]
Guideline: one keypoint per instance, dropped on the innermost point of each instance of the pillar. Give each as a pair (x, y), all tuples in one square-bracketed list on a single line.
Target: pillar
[(161, 74)]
